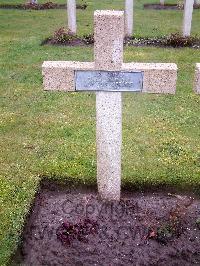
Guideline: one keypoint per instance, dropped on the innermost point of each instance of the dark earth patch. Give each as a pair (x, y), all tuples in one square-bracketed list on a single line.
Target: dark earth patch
[(167, 6), (63, 36), (48, 5), (74, 227), (174, 40)]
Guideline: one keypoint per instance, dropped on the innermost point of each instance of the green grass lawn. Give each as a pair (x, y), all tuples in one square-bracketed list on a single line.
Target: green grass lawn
[(53, 134)]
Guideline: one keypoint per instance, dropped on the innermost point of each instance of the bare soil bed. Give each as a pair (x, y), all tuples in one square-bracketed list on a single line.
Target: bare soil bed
[(62, 36), (30, 6), (74, 227), (167, 6)]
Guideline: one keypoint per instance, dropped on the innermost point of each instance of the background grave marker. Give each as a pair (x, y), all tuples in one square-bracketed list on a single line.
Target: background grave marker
[(187, 18), (71, 13), (129, 4), (108, 54)]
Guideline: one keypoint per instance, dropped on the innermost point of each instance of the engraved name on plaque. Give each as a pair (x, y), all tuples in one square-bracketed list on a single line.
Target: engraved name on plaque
[(108, 81)]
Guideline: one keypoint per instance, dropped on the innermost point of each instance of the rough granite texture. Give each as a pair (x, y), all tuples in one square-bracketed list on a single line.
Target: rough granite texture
[(109, 35), (71, 13), (187, 18), (129, 17), (109, 143), (197, 79), (59, 75), (158, 77)]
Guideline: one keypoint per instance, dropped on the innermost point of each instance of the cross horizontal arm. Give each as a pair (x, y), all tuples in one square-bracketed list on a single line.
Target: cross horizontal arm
[(60, 75), (158, 77)]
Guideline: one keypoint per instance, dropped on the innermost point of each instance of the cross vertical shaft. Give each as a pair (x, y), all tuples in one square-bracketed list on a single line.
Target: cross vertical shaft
[(109, 33)]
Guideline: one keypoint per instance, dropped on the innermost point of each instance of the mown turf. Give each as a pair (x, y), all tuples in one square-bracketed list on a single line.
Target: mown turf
[(53, 134)]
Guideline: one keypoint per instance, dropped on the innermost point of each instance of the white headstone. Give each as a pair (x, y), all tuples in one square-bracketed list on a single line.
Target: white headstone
[(187, 19), (71, 12), (129, 5), (162, 2)]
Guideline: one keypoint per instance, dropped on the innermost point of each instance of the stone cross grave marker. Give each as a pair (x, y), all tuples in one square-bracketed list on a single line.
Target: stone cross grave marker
[(71, 13), (187, 18), (129, 17), (109, 77)]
